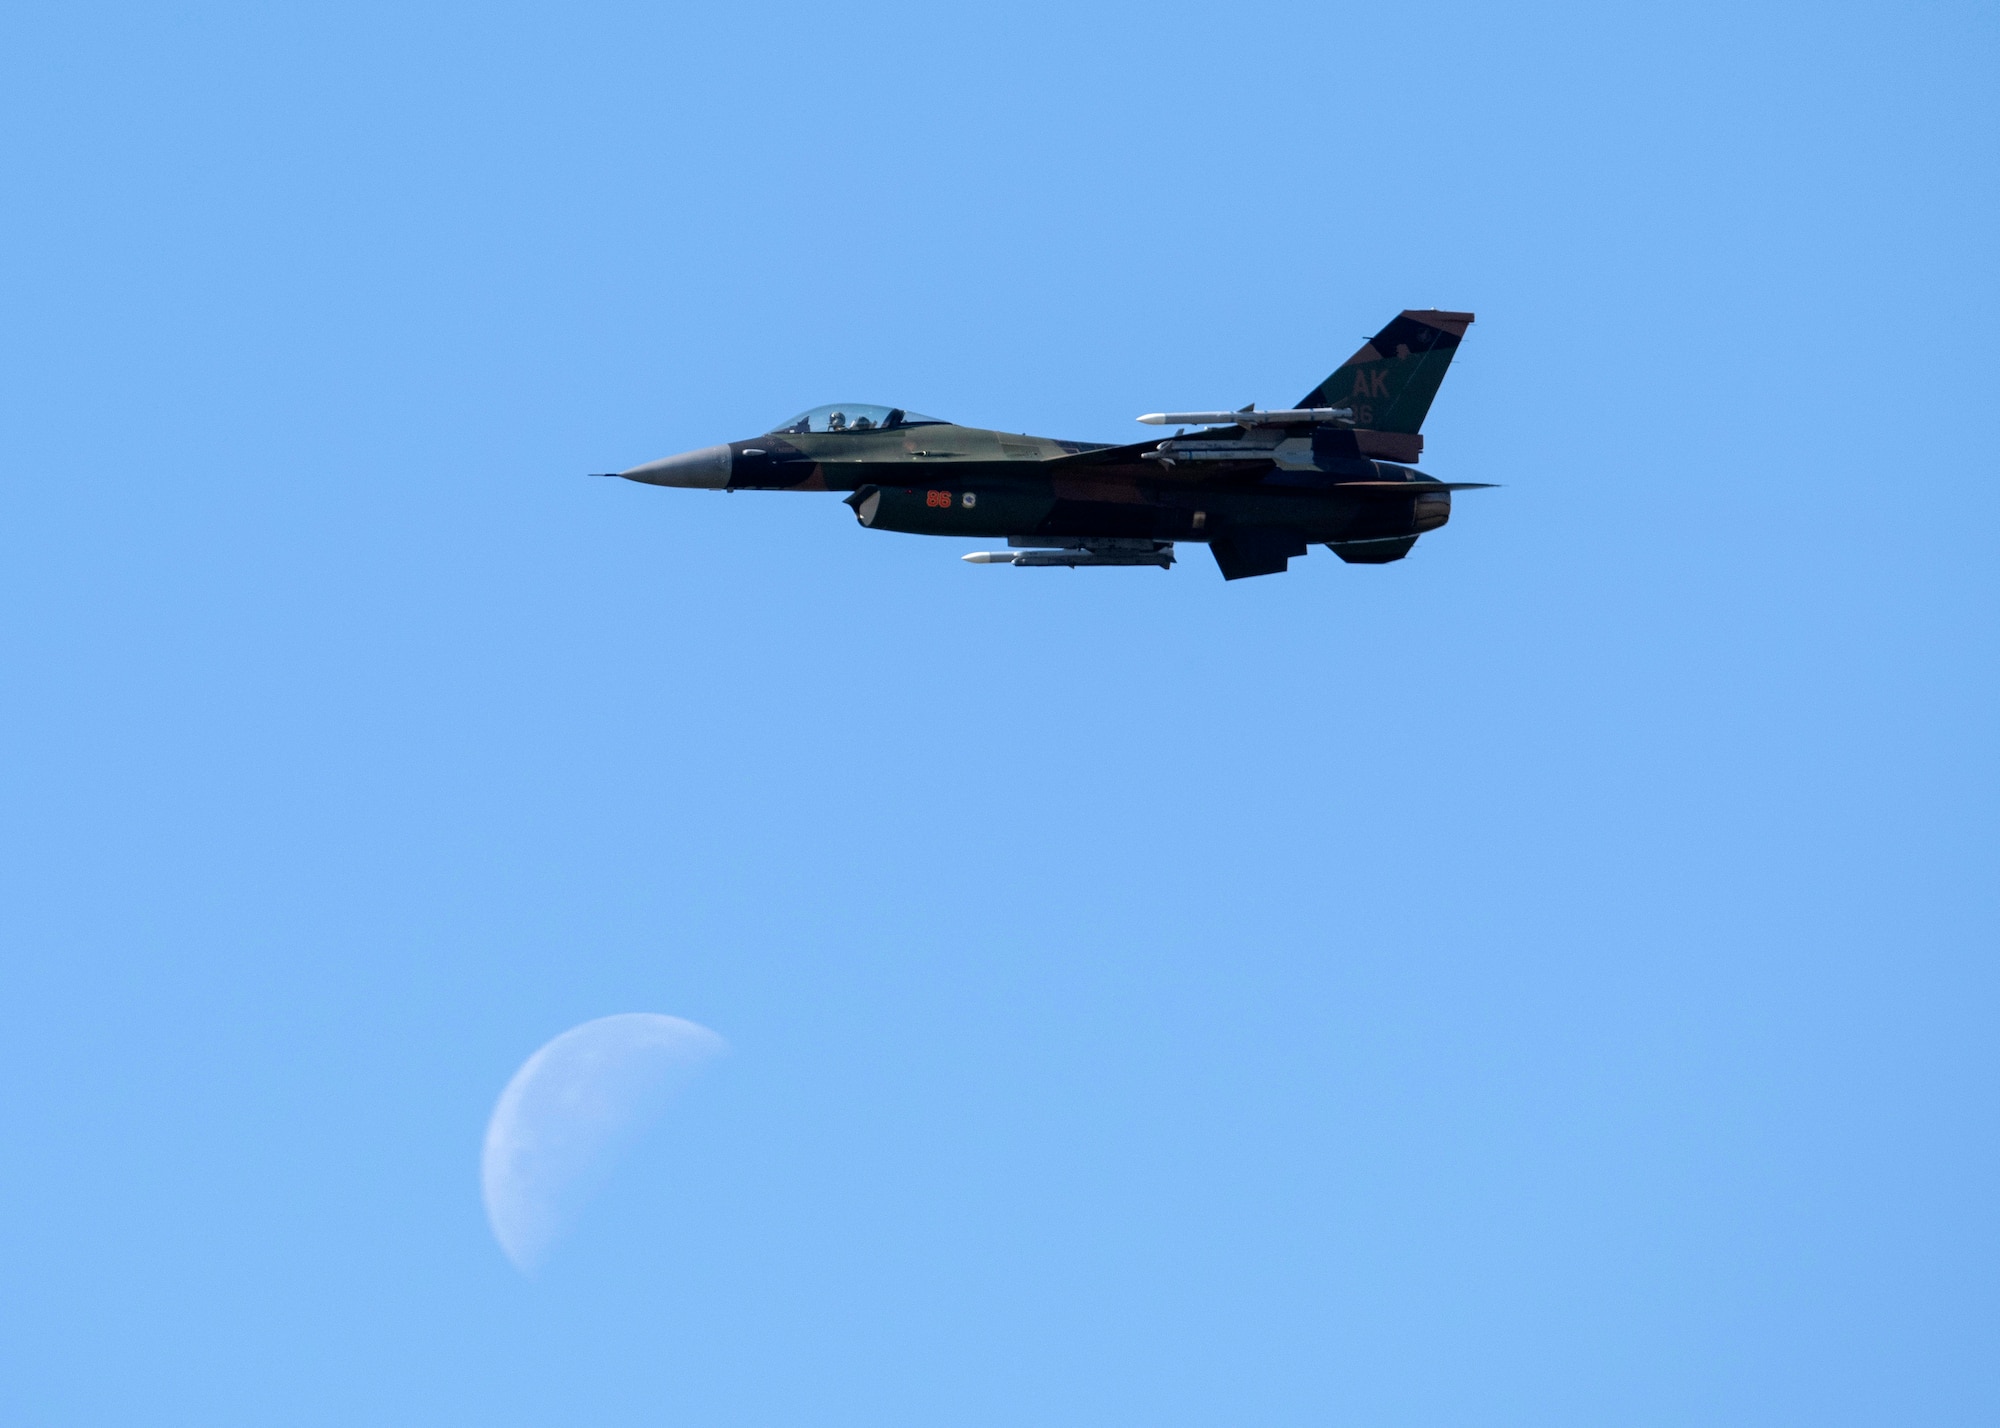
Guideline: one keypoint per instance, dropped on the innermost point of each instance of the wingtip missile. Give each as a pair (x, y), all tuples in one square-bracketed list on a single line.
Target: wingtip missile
[(1250, 416)]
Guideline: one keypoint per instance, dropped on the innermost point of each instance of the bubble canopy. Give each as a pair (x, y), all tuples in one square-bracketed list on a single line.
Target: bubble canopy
[(852, 416)]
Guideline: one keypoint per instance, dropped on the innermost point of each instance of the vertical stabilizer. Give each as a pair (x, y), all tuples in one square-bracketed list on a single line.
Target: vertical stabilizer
[(1391, 380)]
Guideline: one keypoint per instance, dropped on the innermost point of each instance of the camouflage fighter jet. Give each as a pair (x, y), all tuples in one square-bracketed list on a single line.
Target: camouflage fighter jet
[(1257, 486)]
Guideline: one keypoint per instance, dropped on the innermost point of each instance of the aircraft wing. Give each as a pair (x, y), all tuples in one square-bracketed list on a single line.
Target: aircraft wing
[(1109, 455)]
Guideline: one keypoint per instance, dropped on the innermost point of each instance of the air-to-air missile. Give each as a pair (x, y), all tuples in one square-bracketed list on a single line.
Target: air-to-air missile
[(1077, 550), (1257, 486)]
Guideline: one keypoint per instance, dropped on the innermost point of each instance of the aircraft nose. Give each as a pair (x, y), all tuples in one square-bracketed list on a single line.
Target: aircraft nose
[(707, 468)]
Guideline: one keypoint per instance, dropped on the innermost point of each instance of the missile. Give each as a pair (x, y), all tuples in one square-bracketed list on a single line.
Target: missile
[(1072, 552), (1250, 416)]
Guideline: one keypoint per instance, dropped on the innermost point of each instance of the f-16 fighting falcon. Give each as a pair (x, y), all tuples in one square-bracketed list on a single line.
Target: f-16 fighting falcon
[(1257, 486)]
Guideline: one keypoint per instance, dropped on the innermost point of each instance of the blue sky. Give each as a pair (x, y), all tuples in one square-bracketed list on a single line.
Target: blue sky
[(1547, 981)]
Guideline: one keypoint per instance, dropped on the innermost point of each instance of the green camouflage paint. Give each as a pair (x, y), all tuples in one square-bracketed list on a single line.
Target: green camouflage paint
[(1258, 492)]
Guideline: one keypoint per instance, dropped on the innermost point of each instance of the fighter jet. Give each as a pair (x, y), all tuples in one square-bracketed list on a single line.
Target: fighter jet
[(1256, 486)]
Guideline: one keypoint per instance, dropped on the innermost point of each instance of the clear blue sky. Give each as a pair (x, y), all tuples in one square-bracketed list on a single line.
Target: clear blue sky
[(1550, 981)]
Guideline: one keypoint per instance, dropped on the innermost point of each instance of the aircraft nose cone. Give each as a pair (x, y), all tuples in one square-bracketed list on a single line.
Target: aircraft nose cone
[(707, 468)]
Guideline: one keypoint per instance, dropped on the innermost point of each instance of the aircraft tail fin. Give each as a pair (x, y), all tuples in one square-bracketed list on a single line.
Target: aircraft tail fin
[(1391, 380)]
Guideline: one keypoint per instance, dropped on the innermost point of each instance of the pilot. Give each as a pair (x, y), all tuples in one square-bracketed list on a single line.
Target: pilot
[(837, 422), (863, 424)]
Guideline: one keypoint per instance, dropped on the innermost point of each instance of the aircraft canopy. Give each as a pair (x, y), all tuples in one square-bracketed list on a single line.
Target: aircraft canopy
[(852, 416)]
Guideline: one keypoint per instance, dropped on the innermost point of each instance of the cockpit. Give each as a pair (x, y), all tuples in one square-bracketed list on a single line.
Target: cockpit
[(852, 416)]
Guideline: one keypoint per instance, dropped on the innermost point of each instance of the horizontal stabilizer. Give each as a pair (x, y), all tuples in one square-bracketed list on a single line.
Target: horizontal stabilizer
[(1373, 552)]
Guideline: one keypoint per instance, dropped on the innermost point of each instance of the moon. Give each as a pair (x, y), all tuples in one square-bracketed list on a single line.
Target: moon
[(571, 1112)]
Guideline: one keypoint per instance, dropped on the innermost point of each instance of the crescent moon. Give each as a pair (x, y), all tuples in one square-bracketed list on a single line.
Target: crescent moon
[(569, 1114)]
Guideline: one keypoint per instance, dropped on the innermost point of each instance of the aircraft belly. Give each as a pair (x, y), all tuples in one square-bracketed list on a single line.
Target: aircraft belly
[(941, 507), (990, 499), (1112, 518)]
